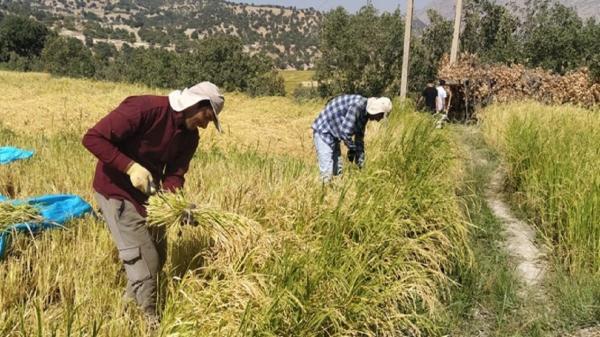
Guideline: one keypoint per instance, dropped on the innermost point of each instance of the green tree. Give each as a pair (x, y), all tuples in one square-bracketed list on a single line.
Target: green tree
[(22, 36), (222, 60), (67, 56), (153, 67), (490, 31), (428, 50), (591, 47), (552, 37), (362, 53), (267, 84)]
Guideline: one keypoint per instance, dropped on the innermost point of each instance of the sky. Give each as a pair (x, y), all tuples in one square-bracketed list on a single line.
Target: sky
[(350, 5)]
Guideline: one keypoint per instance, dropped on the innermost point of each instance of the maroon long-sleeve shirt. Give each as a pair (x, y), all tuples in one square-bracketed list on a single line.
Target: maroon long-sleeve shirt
[(144, 129)]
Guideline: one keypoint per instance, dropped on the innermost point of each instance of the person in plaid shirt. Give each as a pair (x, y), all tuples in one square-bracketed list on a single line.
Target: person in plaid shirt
[(344, 119)]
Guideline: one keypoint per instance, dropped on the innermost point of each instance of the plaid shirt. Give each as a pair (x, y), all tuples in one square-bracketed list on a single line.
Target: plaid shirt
[(343, 117)]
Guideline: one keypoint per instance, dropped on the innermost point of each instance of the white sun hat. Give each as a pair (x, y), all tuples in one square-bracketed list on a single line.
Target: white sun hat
[(203, 91), (378, 105)]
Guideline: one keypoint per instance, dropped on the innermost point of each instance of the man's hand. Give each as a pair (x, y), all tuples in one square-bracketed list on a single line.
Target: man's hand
[(140, 178), (188, 217), (351, 155), (360, 159)]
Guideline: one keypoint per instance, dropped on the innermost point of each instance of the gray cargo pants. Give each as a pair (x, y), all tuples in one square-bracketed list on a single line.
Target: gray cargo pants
[(143, 250)]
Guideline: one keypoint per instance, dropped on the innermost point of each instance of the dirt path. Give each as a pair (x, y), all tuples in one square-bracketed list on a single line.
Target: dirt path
[(527, 262), (520, 236)]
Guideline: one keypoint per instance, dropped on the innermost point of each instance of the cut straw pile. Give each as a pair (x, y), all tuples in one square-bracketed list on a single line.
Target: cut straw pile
[(13, 214), (516, 82), (225, 239)]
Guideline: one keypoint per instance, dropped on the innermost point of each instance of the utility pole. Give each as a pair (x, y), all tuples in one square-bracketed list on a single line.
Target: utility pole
[(406, 51), (457, 19)]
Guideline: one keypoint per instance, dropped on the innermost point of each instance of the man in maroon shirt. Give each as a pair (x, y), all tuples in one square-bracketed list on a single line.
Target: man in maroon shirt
[(146, 143)]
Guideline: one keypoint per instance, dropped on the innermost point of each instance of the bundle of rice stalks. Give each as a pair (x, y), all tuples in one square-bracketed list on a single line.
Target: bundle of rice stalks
[(13, 214), (226, 240)]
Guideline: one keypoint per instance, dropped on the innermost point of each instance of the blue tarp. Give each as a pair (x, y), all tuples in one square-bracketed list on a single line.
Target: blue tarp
[(2, 198), (9, 154), (55, 209)]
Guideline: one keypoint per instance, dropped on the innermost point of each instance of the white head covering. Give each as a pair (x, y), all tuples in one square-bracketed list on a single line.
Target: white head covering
[(203, 91), (378, 105)]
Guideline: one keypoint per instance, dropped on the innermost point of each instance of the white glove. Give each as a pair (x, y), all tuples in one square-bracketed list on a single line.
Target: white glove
[(140, 178)]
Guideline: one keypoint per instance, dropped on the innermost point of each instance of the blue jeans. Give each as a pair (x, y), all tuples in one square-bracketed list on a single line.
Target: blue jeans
[(329, 156)]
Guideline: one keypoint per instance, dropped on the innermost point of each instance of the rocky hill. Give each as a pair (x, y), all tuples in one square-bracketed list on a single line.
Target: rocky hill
[(287, 34)]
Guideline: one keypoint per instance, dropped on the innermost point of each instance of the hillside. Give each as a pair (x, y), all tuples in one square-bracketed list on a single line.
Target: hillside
[(585, 8), (287, 34)]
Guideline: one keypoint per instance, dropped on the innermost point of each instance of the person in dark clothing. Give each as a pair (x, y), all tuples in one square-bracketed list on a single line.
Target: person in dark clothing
[(146, 144), (430, 94)]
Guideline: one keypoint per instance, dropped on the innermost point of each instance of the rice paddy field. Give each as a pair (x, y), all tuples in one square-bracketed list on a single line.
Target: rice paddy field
[(376, 253), (552, 160)]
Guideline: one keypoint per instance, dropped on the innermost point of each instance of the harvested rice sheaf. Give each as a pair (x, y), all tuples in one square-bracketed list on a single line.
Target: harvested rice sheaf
[(225, 237), (11, 214)]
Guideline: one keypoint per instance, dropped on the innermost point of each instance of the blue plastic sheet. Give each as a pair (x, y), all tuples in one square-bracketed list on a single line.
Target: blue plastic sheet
[(2, 198), (9, 154), (55, 209)]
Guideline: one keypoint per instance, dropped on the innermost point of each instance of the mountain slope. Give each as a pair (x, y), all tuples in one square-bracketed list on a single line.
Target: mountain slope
[(287, 34), (584, 8)]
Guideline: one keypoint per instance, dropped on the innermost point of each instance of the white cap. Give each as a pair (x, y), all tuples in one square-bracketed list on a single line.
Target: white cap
[(203, 91), (378, 105)]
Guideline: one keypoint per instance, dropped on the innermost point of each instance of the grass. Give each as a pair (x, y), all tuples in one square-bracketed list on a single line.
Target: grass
[(551, 157), (294, 78), (487, 301), (371, 255)]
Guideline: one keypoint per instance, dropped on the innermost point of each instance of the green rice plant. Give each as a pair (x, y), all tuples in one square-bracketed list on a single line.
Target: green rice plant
[(552, 159), (11, 214)]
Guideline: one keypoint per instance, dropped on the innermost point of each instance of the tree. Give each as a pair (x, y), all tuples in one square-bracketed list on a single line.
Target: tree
[(222, 60), (22, 36), (361, 53), (67, 56), (267, 84), (591, 45), (552, 37), (429, 49), (490, 31)]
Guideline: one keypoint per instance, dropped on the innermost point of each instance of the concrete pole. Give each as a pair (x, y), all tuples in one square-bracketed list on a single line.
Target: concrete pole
[(457, 19), (406, 52)]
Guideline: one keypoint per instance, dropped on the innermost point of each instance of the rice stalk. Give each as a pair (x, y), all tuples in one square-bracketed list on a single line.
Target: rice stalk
[(216, 306), (225, 239), (11, 214)]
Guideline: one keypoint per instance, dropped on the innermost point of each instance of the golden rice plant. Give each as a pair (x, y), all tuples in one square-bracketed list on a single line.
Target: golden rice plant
[(218, 306), (11, 214), (226, 239)]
